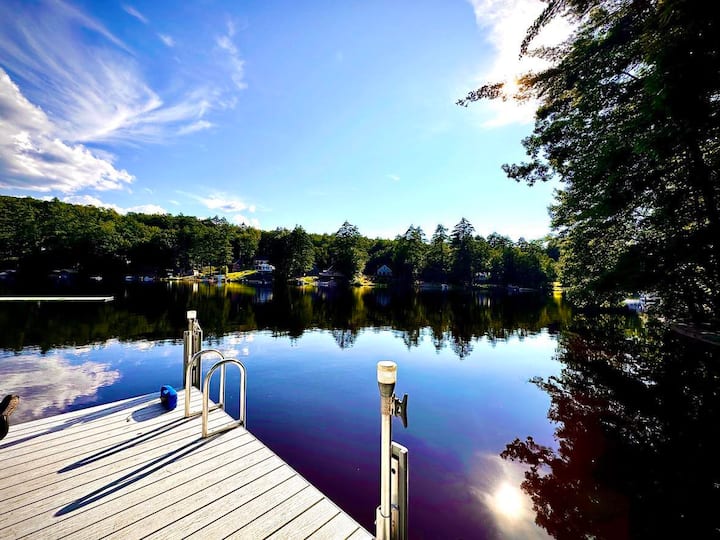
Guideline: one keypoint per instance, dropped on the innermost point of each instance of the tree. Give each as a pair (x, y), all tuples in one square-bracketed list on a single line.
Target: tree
[(291, 252), (438, 256), (410, 251), (463, 247), (348, 251), (245, 244), (629, 121)]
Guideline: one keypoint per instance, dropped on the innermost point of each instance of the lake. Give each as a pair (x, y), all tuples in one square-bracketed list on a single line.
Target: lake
[(525, 420)]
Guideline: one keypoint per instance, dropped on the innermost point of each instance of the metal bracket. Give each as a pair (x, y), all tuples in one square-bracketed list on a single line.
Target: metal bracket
[(400, 409)]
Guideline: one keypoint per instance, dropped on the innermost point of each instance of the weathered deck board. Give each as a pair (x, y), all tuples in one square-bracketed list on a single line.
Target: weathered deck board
[(131, 469)]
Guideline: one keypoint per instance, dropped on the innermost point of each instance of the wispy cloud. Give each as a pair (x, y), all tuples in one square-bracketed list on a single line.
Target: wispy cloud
[(235, 62), (68, 82), (195, 126), (135, 13), (94, 88), (167, 40), (394, 177), (505, 23), (33, 158)]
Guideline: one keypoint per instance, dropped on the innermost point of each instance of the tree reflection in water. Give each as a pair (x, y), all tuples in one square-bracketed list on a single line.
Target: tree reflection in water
[(638, 417), (157, 312)]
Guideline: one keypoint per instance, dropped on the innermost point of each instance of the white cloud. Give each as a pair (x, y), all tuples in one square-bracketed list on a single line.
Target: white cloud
[(505, 23), (74, 83), (135, 13), (33, 157), (146, 209), (394, 177), (94, 88), (167, 40), (225, 203), (89, 200), (235, 63), (195, 126), (240, 219)]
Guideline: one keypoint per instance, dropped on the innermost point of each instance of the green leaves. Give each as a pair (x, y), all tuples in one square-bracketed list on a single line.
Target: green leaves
[(629, 121)]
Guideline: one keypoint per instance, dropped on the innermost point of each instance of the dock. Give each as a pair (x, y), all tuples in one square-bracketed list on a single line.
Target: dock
[(131, 469)]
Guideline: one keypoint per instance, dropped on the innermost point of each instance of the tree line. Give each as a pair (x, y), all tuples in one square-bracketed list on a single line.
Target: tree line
[(39, 236), (629, 122)]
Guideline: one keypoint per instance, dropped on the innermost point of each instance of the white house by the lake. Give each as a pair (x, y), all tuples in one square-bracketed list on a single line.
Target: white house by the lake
[(263, 265)]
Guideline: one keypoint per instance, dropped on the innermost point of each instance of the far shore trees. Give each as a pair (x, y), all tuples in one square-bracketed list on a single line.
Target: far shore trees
[(37, 237)]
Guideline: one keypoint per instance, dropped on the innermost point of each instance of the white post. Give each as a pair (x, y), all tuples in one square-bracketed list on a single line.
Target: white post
[(386, 376)]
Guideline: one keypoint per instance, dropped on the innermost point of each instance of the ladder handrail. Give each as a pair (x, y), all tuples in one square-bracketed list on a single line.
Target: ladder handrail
[(206, 396), (197, 357)]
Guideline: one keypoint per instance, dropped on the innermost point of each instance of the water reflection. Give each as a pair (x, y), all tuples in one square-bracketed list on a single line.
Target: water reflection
[(638, 414), (312, 393), (497, 489), (52, 383), (157, 312)]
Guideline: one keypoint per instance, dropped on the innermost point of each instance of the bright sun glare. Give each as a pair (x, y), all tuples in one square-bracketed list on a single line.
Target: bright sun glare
[(508, 501)]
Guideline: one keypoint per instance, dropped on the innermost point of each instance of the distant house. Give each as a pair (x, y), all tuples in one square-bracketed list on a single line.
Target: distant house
[(263, 265), (481, 277), (384, 271)]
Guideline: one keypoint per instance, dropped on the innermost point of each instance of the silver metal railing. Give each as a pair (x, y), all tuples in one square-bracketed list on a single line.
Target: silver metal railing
[(241, 421), (192, 375), (195, 365)]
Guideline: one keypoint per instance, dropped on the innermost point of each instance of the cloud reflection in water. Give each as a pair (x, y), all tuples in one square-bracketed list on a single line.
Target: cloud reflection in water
[(50, 384)]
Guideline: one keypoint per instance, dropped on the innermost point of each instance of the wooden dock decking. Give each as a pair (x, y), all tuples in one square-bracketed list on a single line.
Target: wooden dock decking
[(131, 469)]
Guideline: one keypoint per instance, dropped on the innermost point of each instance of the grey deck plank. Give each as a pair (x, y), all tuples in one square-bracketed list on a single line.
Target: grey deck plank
[(130, 469), (308, 522), (78, 442), (51, 502), (42, 474), (341, 526), (286, 511)]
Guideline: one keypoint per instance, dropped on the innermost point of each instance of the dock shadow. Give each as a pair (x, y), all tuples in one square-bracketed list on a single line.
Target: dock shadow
[(136, 475), (125, 445), (148, 412)]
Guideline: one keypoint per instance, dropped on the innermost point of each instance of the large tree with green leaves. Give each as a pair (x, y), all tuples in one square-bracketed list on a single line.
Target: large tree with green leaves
[(629, 121), (439, 255), (410, 253), (464, 251), (348, 250)]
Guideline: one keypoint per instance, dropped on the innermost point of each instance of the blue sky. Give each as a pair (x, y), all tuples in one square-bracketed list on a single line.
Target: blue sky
[(271, 113)]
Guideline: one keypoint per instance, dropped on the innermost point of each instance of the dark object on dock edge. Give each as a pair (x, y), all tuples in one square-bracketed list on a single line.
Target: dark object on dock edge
[(8, 405)]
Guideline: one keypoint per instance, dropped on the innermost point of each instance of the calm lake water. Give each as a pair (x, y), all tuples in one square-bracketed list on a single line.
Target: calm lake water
[(524, 420)]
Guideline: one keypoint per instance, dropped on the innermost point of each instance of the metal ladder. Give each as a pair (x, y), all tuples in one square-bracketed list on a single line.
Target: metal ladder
[(193, 372)]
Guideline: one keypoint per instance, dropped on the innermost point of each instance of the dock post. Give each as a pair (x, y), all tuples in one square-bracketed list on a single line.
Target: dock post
[(192, 341), (391, 515)]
